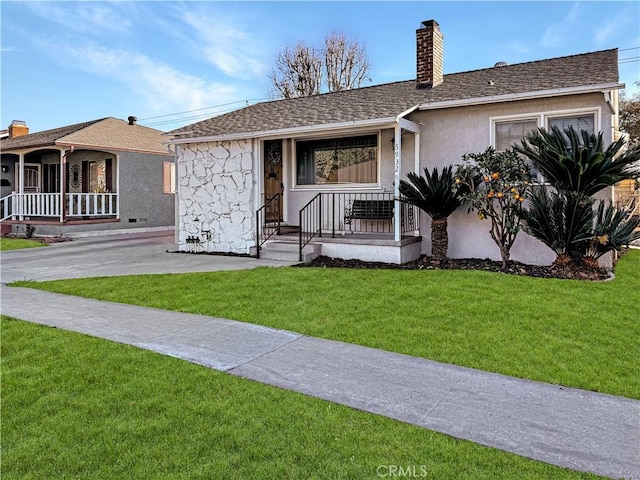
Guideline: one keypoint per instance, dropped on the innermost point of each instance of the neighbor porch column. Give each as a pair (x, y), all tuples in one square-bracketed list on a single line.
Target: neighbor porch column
[(20, 184), (63, 183), (397, 148)]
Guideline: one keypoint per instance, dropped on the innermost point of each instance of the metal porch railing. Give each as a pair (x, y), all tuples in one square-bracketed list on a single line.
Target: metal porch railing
[(267, 221)]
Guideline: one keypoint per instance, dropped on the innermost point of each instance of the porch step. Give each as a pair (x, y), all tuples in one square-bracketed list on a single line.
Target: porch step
[(289, 229), (288, 251)]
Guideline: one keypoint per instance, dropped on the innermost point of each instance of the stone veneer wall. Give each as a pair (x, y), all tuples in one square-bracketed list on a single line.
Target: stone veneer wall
[(216, 197)]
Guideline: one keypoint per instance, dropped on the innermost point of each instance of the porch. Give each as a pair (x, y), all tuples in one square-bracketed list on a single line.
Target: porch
[(58, 207), (376, 227)]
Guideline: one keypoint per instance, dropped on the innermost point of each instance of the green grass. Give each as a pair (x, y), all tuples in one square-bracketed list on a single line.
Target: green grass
[(574, 333), (7, 243), (85, 408)]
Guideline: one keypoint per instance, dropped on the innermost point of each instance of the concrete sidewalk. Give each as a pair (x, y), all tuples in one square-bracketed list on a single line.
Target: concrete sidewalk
[(567, 427)]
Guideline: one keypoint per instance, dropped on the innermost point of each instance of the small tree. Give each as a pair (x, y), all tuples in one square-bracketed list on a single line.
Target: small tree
[(499, 197), (434, 195), (630, 116)]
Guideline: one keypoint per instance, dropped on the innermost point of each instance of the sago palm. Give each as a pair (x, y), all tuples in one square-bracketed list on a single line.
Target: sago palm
[(578, 162), (433, 194), (562, 221)]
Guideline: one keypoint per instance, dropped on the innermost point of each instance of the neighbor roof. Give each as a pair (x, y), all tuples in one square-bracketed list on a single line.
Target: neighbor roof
[(110, 133), (391, 99)]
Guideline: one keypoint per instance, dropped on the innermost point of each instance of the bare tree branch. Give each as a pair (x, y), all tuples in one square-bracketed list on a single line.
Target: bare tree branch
[(298, 72), (304, 70), (345, 63)]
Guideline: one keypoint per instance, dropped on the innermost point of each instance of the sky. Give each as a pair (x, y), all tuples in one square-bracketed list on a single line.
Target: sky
[(173, 63)]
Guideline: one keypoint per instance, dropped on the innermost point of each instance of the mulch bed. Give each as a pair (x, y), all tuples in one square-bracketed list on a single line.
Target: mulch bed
[(428, 263)]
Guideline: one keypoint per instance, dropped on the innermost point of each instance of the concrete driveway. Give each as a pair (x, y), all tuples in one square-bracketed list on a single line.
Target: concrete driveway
[(126, 254)]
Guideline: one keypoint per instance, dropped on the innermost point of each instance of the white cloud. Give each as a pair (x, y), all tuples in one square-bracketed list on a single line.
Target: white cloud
[(613, 28), (225, 43), (82, 17), (560, 32), (161, 88)]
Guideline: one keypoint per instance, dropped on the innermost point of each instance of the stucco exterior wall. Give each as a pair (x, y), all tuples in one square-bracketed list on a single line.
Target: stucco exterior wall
[(141, 197), (8, 178), (448, 134), (216, 194)]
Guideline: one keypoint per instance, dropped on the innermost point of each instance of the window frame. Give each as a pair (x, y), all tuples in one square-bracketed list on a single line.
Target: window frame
[(335, 186), (542, 119), (172, 178)]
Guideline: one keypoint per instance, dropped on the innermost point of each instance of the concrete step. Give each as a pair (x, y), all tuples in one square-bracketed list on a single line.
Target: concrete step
[(288, 251)]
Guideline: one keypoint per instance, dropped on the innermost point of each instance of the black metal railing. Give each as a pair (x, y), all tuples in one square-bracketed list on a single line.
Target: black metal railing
[(365, 213), (342, 213), (267, 221), (310, 218)]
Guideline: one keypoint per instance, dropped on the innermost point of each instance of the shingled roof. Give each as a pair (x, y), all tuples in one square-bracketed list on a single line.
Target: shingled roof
[(109, 133), (391, 99)]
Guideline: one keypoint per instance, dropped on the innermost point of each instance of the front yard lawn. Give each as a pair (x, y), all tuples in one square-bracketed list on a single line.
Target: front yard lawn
[(567, 332), (9, 243), (79, 407)]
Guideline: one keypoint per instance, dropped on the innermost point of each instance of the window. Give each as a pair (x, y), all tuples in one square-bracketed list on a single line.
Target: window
[(337, 161), (579, 122), (510, 131), (168, 177)]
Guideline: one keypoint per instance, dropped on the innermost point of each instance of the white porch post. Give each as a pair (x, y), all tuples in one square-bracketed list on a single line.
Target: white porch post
[(397, 149), (416, 139), (20, 184), (403, 124)]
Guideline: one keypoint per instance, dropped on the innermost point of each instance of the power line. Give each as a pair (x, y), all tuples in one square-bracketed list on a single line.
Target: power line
[(627, 49), (204, 108), (629, 60), (194, 117)]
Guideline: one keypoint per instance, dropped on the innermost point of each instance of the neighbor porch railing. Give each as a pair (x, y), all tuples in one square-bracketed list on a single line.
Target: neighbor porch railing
[(48, 205), (92, 204)]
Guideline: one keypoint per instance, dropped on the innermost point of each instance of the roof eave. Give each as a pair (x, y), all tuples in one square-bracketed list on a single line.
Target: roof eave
[(556, 92), (294, 131), (88, 146)]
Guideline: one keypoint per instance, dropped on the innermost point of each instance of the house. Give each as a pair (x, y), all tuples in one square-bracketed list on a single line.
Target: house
[(102, 175), (327, 167)]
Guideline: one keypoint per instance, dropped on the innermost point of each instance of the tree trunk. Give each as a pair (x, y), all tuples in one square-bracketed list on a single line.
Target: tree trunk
[(439, 239)]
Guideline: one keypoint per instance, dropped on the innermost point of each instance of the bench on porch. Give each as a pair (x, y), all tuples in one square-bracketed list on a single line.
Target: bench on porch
[(368, 210)]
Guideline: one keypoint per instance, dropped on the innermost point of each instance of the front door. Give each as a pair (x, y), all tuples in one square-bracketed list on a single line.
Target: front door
[(273, 183), (31, 177)]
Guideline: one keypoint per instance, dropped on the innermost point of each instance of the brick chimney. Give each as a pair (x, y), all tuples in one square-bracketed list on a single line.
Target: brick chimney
[(429, 41), (18, 128)]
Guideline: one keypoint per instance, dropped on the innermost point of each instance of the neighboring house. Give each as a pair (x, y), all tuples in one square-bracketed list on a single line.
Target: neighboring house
[(106, 174), (331, 163)]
